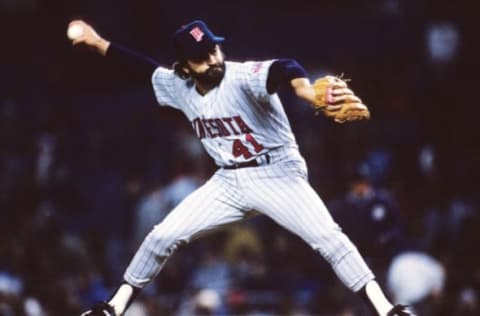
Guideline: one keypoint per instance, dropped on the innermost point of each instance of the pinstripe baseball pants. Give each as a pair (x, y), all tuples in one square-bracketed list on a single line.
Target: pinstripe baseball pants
[(279, 190)]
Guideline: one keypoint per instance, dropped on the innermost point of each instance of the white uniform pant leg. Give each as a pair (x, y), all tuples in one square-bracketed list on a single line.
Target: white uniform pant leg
[(282, 192), (208, 208)]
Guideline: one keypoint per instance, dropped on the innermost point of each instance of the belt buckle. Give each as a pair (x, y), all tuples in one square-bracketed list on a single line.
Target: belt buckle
[(263, 160), (258, 161)]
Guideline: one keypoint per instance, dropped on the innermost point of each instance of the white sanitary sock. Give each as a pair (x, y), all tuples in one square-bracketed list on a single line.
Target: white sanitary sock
[(378, 299), (121, 298)]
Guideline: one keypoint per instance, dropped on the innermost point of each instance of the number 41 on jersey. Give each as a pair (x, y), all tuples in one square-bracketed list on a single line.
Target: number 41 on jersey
[(239, 149)]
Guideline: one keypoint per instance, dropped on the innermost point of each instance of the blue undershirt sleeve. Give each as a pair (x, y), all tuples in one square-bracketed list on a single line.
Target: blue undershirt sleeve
[(133, 64), (282, 71)]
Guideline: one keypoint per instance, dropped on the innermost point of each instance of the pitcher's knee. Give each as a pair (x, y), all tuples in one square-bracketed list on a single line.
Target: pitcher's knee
[(334, 245), (161, 241)]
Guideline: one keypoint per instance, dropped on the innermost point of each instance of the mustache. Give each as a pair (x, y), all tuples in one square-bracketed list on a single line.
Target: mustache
[(211, 76), (213, 70), (213, 67)]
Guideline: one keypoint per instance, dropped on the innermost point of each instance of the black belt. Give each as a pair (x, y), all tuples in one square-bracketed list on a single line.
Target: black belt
[(251, 163)]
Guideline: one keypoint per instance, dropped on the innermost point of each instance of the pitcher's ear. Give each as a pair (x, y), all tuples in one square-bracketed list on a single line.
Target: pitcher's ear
[(181, 70)]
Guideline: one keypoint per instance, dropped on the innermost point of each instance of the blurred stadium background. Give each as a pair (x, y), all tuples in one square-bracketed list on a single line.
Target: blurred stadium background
[(88, 162)]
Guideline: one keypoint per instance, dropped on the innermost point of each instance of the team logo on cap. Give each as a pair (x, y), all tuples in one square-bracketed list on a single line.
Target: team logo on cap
[(197, 34)]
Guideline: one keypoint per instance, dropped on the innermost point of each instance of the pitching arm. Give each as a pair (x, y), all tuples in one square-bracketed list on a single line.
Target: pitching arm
[(130, 62), (86, 35)]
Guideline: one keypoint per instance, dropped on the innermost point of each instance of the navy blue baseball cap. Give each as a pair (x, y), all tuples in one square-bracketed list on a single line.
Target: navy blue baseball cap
[(194, 41)]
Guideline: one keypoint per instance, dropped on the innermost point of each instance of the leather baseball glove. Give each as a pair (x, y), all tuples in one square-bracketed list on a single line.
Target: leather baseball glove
[(337, 101)]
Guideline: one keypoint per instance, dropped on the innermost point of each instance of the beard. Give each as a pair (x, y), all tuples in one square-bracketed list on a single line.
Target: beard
[(210, 77)]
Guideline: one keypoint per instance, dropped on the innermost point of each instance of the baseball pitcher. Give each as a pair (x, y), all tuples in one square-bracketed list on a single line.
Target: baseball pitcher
[(235, 112)]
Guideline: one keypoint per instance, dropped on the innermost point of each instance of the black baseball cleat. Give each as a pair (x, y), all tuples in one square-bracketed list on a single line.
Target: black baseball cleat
[(100, 309), (400, 310)]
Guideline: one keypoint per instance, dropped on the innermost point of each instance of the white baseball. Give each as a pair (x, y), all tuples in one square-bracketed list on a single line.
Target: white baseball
[(74, 31)]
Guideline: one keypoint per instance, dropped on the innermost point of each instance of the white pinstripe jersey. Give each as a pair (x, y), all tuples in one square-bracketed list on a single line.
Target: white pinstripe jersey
[(236, 121)]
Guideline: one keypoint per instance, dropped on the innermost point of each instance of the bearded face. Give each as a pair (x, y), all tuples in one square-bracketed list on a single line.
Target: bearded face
[(208, 69), (212, 76)]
